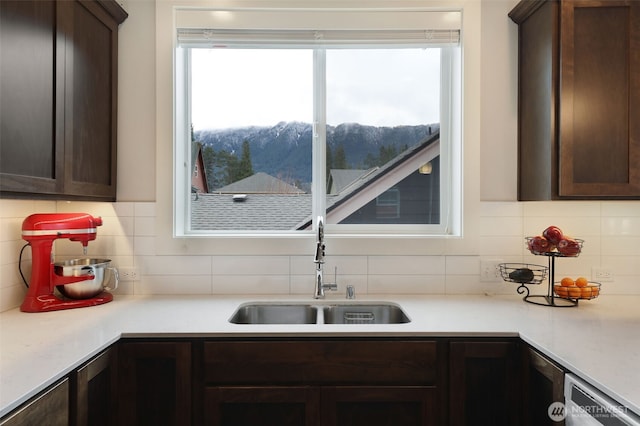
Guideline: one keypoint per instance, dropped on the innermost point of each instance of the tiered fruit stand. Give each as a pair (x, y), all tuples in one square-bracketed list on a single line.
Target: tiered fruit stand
[(529, 274)]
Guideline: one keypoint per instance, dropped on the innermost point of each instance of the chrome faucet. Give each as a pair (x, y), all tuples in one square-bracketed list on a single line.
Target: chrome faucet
[(320, 285)]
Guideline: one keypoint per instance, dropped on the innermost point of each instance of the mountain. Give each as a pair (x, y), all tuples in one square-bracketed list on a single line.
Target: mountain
[(284, 150)]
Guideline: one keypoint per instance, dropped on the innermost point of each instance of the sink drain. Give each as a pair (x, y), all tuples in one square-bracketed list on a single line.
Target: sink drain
[(359, 317)]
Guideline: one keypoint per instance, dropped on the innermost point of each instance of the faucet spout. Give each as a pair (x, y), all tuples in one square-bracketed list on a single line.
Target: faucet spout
[(318, 259)]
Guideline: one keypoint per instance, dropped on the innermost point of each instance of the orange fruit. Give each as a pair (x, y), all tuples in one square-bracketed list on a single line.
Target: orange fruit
[(567, 282), (574, 292), (561, 291), (585, 293), (582, 282)]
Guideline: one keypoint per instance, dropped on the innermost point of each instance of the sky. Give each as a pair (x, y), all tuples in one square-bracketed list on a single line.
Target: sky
[(241, 87)]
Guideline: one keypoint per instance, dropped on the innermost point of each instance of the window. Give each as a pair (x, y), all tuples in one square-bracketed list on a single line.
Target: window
[(352, 124)]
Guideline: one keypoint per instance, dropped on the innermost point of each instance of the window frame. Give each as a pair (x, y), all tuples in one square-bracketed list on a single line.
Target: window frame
[(450, 152)]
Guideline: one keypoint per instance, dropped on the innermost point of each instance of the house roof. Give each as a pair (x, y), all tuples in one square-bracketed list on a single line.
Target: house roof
[(259, 183), (196, 154), (363, 190), (339, 179), (219, 212)]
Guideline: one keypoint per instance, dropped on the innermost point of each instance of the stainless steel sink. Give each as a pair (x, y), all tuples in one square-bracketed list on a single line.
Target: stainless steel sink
[(269, 313), (380, 313), (319, 313)]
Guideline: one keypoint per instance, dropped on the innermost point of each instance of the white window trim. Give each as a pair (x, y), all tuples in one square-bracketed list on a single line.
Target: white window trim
[(181, 209)]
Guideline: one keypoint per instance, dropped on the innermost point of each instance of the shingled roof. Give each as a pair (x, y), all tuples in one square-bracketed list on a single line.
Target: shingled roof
[(220, 212), (259, 183)]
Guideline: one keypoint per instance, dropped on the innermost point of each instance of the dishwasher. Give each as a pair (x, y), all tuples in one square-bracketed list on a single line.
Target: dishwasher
[(586, 406)]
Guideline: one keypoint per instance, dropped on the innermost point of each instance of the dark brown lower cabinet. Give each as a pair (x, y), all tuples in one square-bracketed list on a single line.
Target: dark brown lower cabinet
[(94, 391), (154, 382), (543, 385), (484, 383), (50, 408), (304, 382), (320, 406), (263, 405), (379, 406), (322, 382)]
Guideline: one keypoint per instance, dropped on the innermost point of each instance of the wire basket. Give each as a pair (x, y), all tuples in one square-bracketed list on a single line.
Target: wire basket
[(590, 291), (553, 250), (523, 273)]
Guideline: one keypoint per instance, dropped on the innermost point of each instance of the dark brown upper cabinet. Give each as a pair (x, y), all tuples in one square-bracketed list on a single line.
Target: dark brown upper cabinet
[(58, 98), (578, 99)]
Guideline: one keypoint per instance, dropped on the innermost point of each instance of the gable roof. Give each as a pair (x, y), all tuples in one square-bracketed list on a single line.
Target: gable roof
[(259, 183), (196, 158), (379, 180), (339, 179)]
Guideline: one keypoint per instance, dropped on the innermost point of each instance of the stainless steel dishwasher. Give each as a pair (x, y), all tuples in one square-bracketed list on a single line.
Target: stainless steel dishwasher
[(585, 406)]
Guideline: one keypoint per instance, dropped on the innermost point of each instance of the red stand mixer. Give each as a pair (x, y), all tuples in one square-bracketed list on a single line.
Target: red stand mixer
[(40, 231)]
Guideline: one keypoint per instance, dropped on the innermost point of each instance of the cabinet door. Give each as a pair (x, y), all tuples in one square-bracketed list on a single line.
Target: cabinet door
[(90, 99), (379, 406), (94, 391), (600, 99), (52, 405), (262, 405), (31, 147), (544, 385), (484, 386), (58, 98), (538, 72), (154, 383)]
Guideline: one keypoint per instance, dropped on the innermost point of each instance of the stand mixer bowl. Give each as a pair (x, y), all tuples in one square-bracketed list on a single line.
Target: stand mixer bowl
[(86, 266)]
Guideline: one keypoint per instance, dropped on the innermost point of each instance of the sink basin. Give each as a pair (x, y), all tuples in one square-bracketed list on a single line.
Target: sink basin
[(379, 313), (319, 313), (258, 313)]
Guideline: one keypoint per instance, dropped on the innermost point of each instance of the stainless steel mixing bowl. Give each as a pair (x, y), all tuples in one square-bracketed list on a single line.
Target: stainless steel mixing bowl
[(82, 267)]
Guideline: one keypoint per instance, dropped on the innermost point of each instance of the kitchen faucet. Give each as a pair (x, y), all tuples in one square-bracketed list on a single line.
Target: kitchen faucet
[(320, 285)]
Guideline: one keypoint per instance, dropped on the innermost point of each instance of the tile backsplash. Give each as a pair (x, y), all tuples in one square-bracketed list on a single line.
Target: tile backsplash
[(611, 230)]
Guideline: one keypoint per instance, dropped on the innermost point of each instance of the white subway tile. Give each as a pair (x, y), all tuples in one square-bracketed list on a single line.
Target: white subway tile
[(250, 265), (251, 284), (621, 208), (145, 226), (621, 226), (11, 297), (559, 209), (406, 265), (462, 265), (123, 209), (621, 246), (173, 284), (500, 226), (174, 265), (145, 209), (501, 209), (406, 284), (144, 246)]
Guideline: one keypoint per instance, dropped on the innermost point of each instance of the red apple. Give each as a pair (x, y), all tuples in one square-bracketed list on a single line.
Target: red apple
[(569, 247), (539, 244), (553, 234)]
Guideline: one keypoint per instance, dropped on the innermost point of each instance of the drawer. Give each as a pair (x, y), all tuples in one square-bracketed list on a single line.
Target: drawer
[(321, 361)]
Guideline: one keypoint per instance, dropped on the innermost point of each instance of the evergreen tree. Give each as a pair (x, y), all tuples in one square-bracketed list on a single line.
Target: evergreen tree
[(208, 158), (328, 160), (340, 160), (245, 168), (231, 167)]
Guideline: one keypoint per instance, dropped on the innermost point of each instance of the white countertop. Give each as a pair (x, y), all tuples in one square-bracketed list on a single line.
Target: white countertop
[(598, 340)]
